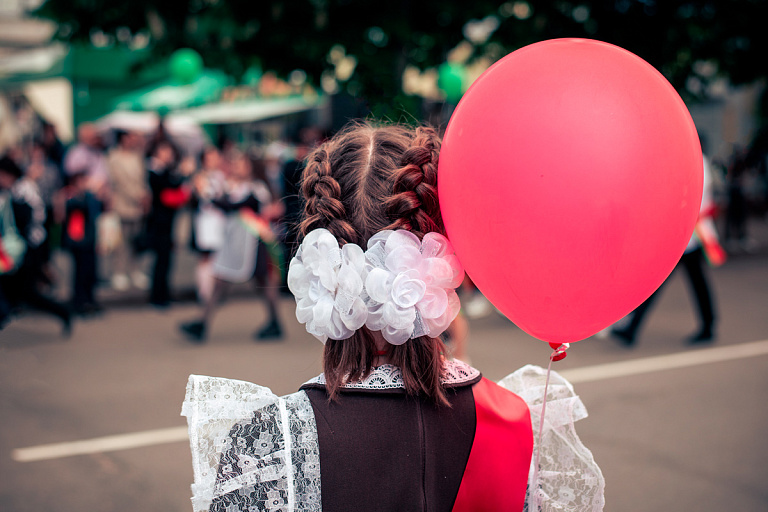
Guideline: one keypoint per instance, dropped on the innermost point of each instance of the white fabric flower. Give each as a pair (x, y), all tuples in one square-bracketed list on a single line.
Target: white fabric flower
[(410, 285), (327, 283), (401, 286)]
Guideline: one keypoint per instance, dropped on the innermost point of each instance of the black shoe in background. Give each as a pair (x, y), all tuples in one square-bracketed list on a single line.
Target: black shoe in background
[(272, 331), (624, 336), (66, 325), (703, 336), (193, 331)]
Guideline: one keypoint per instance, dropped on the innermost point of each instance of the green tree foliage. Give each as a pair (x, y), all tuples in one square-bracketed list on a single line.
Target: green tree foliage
[(691, 42)]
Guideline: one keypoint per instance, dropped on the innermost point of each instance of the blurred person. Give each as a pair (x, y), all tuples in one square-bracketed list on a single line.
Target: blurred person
[(22, 287), (291, 185), (245, 253), (160, 135), (49, 182), (79, 207), (269, 275), (167, 177), (757, 155), (129, 200), (208, 221), (692, 262), (8, 255), (737, 211), (44, 172), (87, 156), (53, 147), (273, 166), (391, 423), (12, 244), (86, 163)]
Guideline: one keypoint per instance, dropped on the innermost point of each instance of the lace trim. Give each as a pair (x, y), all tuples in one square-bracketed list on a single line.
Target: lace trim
[(251, 450), (388, 376), (569, 477)]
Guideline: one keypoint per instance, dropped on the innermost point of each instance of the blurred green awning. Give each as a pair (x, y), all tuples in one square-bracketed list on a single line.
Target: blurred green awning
[(171, 95)]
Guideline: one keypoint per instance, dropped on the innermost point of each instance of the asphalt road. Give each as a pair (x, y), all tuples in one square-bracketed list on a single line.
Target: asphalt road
[(673, 427)]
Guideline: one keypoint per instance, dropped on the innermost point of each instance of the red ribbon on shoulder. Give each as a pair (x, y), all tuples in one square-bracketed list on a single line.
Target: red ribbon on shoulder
[(496, 475)]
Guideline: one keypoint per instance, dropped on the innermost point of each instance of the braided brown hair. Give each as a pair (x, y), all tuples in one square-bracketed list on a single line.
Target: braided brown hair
[(414, 205), (366, 179)]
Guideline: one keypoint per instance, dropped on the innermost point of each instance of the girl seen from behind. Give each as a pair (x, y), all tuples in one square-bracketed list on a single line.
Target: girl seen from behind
[(392, 423)]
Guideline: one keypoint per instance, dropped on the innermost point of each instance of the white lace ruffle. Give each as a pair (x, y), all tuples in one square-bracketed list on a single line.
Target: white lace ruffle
[(569, 478), (251, 450), (388, 376)]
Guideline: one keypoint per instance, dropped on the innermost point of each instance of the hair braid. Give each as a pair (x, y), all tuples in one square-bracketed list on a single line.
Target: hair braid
[(365, 179), (414, 203), (324, 207)]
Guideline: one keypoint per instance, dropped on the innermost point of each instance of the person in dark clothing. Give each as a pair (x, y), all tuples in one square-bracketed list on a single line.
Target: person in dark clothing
[(53, 147), (12, 246), (81, 210), (693, 262), (167, 185), (291, 185), (22, 287), (736, 212)]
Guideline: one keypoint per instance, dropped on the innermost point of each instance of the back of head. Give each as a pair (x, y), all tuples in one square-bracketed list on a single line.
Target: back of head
[(122, 138), (366, 179), (370, 178), (88, 134)]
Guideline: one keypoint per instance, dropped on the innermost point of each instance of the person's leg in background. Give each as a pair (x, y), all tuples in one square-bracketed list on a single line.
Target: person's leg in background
[(160, 294), (120, 280), (197, 330), (628, 333), (693, 262), (268, 276)]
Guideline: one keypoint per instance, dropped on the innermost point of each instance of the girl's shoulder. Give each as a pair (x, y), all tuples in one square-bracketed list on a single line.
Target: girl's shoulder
[(243, 437)]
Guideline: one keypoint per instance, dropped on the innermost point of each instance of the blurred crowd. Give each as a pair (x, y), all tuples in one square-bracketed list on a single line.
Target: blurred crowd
[(741, 191), (111, 201)]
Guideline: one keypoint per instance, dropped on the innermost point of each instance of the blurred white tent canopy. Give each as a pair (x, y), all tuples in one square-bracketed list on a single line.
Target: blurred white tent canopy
[(252, 110), (52, 100), (185, 125)]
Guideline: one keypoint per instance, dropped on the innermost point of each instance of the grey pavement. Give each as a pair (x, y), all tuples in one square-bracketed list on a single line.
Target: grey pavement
[(687, 439)]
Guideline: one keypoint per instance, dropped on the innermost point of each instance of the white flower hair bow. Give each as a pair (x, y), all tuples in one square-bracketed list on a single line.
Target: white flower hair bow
[(400, 286)]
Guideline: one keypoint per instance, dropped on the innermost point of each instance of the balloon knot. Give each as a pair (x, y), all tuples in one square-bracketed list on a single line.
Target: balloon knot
[(559, 352)]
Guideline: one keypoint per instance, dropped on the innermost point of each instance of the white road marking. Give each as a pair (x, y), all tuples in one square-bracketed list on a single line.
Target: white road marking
[(100, 444), (666, 362), (575, 375)]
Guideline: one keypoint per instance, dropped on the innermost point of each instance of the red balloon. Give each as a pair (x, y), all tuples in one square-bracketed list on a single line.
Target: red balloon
[(570, 180)]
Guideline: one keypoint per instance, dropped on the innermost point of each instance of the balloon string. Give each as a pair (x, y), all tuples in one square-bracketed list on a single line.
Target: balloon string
[(535, 480)]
